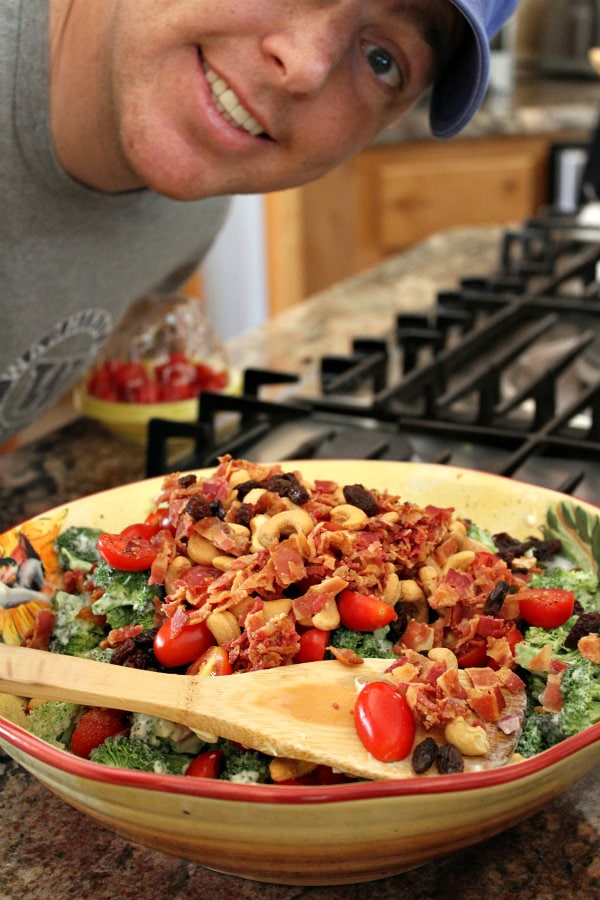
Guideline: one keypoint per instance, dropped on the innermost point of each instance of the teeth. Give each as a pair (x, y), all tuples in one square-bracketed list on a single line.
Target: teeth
[(228, 104)]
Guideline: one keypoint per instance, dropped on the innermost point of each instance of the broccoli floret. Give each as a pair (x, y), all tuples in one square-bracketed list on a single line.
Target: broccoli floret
[(540, 731), (73, 634), (123, 589), (159, 732), (244, 766), (121, 616), (372, 644), (580, 689), (536, 638), (78, 548), (583, 582), (53, 721), (127, 753)]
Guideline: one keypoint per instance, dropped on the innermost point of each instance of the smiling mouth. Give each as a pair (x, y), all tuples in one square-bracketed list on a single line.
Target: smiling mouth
[(229, 105)]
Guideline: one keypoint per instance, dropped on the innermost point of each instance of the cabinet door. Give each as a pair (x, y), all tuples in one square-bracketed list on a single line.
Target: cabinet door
[(422, 190)]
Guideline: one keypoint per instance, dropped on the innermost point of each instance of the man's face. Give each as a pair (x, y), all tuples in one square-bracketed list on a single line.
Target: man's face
[(245, 96)]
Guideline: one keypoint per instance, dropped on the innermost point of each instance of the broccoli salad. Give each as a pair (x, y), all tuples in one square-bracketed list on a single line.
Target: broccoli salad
[(253, 567)]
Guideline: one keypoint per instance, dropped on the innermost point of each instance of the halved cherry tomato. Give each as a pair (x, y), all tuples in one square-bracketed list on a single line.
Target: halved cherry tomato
[(363, 612), (131, 554), (384, 721), (214, 661), (184, 646), (546, 607), (313, 644), (472, 654), (94, 727), (140, 530), (206, 765)]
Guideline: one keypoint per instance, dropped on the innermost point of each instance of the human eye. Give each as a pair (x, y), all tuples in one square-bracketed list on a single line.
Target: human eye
[(383, 64)]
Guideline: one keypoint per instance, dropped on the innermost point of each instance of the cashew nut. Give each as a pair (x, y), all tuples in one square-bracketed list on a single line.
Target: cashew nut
[(351, 517), (429, 576), (392, 590), (273, 608), (201, 550), (327, 618), (175, 570), (411, 591), (253, 495), (460, 560), (282, 769), (223, 563), (283, 523), (445, 655), (239, 477), (390, 517), (471, 740), (223, 626)]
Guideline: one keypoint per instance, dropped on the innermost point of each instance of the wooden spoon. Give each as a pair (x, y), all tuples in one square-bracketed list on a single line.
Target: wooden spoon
[(298, 711)]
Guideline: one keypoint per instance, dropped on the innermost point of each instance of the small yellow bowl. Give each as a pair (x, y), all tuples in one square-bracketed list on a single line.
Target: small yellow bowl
[(129, 421)]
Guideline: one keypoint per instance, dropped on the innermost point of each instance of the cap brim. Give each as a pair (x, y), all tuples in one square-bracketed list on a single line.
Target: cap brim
[(459, 92)]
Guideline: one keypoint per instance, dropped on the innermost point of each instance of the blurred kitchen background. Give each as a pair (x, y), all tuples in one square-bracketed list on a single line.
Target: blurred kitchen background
[(524, 149)]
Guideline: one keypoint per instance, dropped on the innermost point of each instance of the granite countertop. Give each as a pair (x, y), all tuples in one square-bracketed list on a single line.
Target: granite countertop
[(52, 852), (534, 106)]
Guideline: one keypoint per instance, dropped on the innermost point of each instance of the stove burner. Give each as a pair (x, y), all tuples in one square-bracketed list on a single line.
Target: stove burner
[(502, 375)]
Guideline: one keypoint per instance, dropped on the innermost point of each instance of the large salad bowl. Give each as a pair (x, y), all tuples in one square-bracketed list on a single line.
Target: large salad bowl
[(318, 835)]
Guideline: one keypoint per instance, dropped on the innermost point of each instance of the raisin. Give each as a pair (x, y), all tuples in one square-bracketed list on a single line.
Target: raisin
[(495, 598), (244, 514), (287, 485), (424, 755), (245, 487), (187, 480), (198, 507), (448, 759), (357, 495), (137, 652), (587, 623)]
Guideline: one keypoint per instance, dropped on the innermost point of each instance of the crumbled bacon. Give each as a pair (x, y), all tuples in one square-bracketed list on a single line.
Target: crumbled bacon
[(346, 656), (39, 636)]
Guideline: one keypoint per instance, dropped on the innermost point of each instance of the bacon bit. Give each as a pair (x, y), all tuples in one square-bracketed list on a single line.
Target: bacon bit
[(445, 550), (511, 680), (118, 635), (450, 685), (288, 564), (499, 650), (39, 636), (589, 647), (417, 636), (551, 699), (167, 551), (509, 724), (487, 703), (86, 614), (406, 672), (482, 677), (74, 581), (346, 656), (542, 660), (445, 594)]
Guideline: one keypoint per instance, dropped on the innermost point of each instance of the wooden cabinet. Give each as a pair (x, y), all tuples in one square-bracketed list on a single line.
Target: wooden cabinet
[(392, 196)]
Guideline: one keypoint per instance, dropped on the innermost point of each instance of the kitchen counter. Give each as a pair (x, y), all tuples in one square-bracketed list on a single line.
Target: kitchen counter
[(52, 852), (533, 106)]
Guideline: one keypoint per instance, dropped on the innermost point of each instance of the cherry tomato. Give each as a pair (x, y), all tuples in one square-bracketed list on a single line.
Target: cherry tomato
[(140, 530), (184, 647), (363, 612), (313, 644), (546, 607), (472, 654), (131, 554), (94, 727), (206, 765), (214, 661), (384, 721)]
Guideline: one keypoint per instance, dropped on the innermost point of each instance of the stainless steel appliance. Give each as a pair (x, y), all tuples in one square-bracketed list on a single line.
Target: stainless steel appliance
[(503, 375), (569, 29)]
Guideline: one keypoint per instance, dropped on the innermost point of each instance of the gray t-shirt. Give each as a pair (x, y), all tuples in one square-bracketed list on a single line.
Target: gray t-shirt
[(72, 260)]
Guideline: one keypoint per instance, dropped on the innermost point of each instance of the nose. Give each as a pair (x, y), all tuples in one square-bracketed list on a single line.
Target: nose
[(304, 50)]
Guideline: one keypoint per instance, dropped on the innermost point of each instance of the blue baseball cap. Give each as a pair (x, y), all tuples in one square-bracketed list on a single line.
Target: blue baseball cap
[(459, 91)]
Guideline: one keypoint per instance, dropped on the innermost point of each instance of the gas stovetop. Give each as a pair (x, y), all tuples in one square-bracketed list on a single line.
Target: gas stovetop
[(502, 375)]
